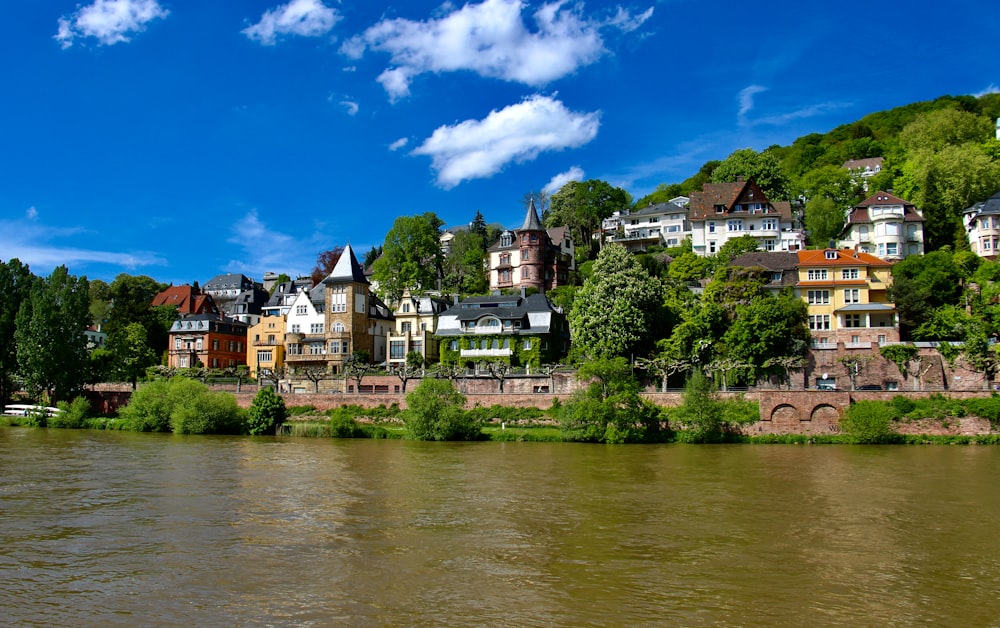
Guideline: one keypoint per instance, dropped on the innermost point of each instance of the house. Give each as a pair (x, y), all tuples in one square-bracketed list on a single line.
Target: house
[(846, 292), (662, 224), (982, 225), (531, 257), (266, 345), (721, 211), (187, 299), (207, 340), (518, 329), (863, 169), (331, 322), (416, 323), (781, 267), (885, 226), (237, 296), (284, 293)]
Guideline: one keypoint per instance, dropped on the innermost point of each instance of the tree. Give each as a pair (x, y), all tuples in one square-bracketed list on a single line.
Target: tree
[(832, 183), (326, 261), (763, 168), (132, 353), (464, 267), (436, 411), (616, 310), (581, 206), (854, 363), (280, 279), (373, 254), (945, 127), (610, 409), (734, 247), (314, 374), (406, 371), (498, 370), (824, 220), (411, 256), (267, 411), (51, 346), (131, 297), (921, 284), (689, 267), (700, 414), (356, 367), (768, 328), (16, 282)]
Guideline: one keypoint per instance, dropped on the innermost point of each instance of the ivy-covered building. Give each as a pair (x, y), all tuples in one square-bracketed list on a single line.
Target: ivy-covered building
[(517, 329)]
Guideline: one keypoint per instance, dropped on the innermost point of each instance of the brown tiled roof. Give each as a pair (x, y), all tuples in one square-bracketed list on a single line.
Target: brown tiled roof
[(185, 299), (859, 214), (860, 164), (703, 203)]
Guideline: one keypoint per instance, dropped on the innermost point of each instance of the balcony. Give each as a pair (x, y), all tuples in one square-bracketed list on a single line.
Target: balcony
[(485, 353), (267, 343), (824, 345), (305, 357)]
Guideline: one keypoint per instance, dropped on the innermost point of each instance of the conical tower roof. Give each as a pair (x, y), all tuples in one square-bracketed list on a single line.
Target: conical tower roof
[(531, 221), (347, 269)]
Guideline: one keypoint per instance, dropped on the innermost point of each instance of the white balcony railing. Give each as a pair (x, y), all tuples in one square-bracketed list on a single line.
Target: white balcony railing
[(824, 345), (485, 353)]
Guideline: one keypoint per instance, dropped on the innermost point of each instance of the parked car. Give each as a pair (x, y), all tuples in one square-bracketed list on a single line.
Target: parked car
[(870, 387)]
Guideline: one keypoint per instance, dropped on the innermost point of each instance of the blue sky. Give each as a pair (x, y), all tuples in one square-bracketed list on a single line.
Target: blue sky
[(182, 139)]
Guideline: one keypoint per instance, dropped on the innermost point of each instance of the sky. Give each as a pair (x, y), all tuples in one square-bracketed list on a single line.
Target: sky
[(182, 139)]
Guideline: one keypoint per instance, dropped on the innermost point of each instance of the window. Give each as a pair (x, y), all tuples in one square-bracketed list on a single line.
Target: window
[(406, 307), (300, 309), (315, 348), (263, 356), (819, 322), (527, 344), (197, 344), (296, 328), (849, 273), (769, 224), (316, 328), (525, 256), (852, 295), (454, 345), (818, 297), (831, 255), (768, 245), (338, 327), (405, 328), (852, 320), (711, 248), (816, 274), (397, 349), (418, 346), (177, 343), (711, 227), (734, 225), (892, 248)]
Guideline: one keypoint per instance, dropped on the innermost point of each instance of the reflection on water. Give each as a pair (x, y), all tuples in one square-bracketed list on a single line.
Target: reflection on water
[(103, 528)]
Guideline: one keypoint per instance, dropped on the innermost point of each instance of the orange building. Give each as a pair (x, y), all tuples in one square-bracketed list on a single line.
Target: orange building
[(207, 340)]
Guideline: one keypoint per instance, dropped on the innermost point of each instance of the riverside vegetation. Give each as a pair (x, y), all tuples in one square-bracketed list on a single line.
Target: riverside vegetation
[(609, 410)]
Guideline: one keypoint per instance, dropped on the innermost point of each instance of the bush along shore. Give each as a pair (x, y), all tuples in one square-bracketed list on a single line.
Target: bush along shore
[(609, 410)]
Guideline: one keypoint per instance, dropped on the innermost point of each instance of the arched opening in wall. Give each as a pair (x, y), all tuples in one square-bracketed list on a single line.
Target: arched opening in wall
[(784, 416), (825, 415)]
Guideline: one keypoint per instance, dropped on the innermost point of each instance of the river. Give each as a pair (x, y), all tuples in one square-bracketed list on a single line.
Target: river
[(104, 528)]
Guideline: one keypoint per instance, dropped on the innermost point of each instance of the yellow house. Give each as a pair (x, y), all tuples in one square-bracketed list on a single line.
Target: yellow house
[(847, 295), (416, 323), (266, 345)]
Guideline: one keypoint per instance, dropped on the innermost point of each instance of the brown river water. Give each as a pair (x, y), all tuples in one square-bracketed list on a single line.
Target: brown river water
[(159, 530)]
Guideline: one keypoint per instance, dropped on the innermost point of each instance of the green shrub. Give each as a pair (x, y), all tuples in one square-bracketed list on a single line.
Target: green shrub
[(869, 422), (344, 426), (267, 411), (902, 406), (436, 412), (73, 414), (35, 418), (987, 408), (302, 410), (185, 406), (506, 414)]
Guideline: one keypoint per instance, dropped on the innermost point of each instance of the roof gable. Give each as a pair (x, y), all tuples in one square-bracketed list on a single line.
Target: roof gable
[(347, 269)]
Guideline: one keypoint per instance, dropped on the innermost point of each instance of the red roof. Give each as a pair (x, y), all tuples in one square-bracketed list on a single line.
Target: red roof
[(186, 300), (845, 257)]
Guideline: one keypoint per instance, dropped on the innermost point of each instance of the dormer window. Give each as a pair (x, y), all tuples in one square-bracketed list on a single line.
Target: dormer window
[(831, 255)]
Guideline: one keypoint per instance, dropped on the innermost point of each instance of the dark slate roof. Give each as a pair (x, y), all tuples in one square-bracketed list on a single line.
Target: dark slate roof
[(659, 208), (989, 206), (514, 307), (769, 260), (347, 269), (228, 281), (531, 221)]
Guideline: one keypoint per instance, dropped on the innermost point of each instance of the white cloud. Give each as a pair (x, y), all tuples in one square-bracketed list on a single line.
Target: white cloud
[(31, 242), (266, 248), (350, 106), (492, 40), (746, 101), (990, 89), (108, 21), (555, 183), (307, 18), (31, 213), (480, 148), (400, 143)]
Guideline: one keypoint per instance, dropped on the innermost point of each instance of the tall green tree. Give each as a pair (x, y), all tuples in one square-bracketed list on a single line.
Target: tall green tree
[(763, 168), (581, 206), (131, 303), (920, 285), (411, 256), (16, 282), (464, 266), (133, 353), (824, 219), (617, 309), (51, 344)]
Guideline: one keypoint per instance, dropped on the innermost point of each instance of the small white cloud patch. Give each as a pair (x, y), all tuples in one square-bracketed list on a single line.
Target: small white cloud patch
[(306, 18), (108, 21), (557, 182), (400, 143), (476, 149)]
